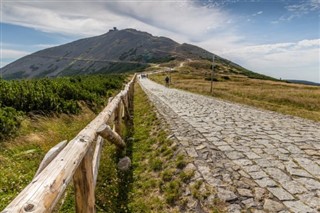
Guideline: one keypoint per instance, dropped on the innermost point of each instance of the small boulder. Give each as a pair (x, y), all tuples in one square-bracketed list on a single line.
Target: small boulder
[(124, 164)]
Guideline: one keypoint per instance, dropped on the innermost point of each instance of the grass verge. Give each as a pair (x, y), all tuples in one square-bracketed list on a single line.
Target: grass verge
[(160, 177)]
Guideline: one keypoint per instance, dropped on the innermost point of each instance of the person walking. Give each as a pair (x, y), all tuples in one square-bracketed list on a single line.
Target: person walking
[(167, 79)]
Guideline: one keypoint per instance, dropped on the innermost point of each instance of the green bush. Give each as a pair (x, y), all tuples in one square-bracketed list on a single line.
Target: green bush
[(59, 95), (9, 121)]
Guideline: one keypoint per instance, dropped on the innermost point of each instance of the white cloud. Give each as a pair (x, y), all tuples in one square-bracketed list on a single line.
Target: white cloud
[(257, 13), (298, 10), (304, 7), (9, 53), (49, 18), (43, 46), (96, 17), (298, 60), (308, 43)]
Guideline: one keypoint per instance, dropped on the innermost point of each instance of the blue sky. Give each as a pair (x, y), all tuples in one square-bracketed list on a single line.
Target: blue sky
[(280, 38)]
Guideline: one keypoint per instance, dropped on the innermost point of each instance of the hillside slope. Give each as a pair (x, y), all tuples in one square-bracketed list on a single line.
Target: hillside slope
[(115, 51)]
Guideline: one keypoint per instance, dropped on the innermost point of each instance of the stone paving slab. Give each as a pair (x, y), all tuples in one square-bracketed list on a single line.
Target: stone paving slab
[(258, 160)]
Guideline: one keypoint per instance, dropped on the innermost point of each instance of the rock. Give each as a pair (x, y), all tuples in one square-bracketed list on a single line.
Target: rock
[(211, 199), (226, 148), (124, 164), (259, 193), (173, 146), (309, 183), (298, 172), (192, 152), (252, 155), (191, 204), (234, 208), (236, 168), (184, 143), (234, 155), (277, 174), (242, 173), (254, 168), (190, 167), (198, 208), (249, 182), (294, 187), (258, 211), (187, 192), (258, 175), (311, 199), (298, 207), (226, 178), (249, 203), (171, 136), (205, 156), (244, 162), (245, 192), (281, 194), (266, 182), (201, 147), (226, 195), (273, 206)]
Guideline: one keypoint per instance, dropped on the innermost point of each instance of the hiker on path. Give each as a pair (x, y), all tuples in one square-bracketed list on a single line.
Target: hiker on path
[(167, 79)]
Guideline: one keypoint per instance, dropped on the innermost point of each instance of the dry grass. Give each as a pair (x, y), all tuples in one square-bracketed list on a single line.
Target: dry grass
[(287, 98), (21, 156)]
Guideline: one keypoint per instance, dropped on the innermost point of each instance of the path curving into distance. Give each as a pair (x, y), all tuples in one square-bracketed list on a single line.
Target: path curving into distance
[(257, 160)]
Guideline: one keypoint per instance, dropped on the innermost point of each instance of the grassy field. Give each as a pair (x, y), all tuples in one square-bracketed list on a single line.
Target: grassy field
[(293, 99), (21, 156)]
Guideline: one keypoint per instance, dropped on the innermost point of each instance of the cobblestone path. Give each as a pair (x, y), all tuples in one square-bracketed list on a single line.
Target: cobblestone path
[(258, 161)]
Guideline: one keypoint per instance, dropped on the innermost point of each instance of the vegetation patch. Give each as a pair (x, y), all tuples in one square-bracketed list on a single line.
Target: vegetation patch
[(20, 156), (48, 96), (10, 120), (155, 175)]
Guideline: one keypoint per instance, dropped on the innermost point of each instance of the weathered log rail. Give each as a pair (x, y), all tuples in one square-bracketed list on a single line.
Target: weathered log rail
[(77, 160)]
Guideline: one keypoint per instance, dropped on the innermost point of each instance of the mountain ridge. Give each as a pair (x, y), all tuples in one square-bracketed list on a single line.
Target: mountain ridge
[(113, 52)]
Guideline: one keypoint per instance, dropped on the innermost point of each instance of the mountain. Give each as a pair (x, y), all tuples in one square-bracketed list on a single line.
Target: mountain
[(115, 51)]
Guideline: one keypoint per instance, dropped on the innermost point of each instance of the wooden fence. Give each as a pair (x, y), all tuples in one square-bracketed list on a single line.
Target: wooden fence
[(78, 160)]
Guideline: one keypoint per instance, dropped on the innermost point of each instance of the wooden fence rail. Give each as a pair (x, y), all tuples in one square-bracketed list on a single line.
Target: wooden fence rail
[(77, 160)]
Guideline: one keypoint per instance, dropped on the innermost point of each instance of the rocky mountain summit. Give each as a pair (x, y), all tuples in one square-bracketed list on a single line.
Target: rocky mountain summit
[(113, 52)]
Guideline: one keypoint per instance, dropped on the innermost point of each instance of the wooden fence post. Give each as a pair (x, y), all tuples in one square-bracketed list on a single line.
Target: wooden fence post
[(131, 96), (51, 154), (118, 119), (83, 185), (96, 159), (106, 132)]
